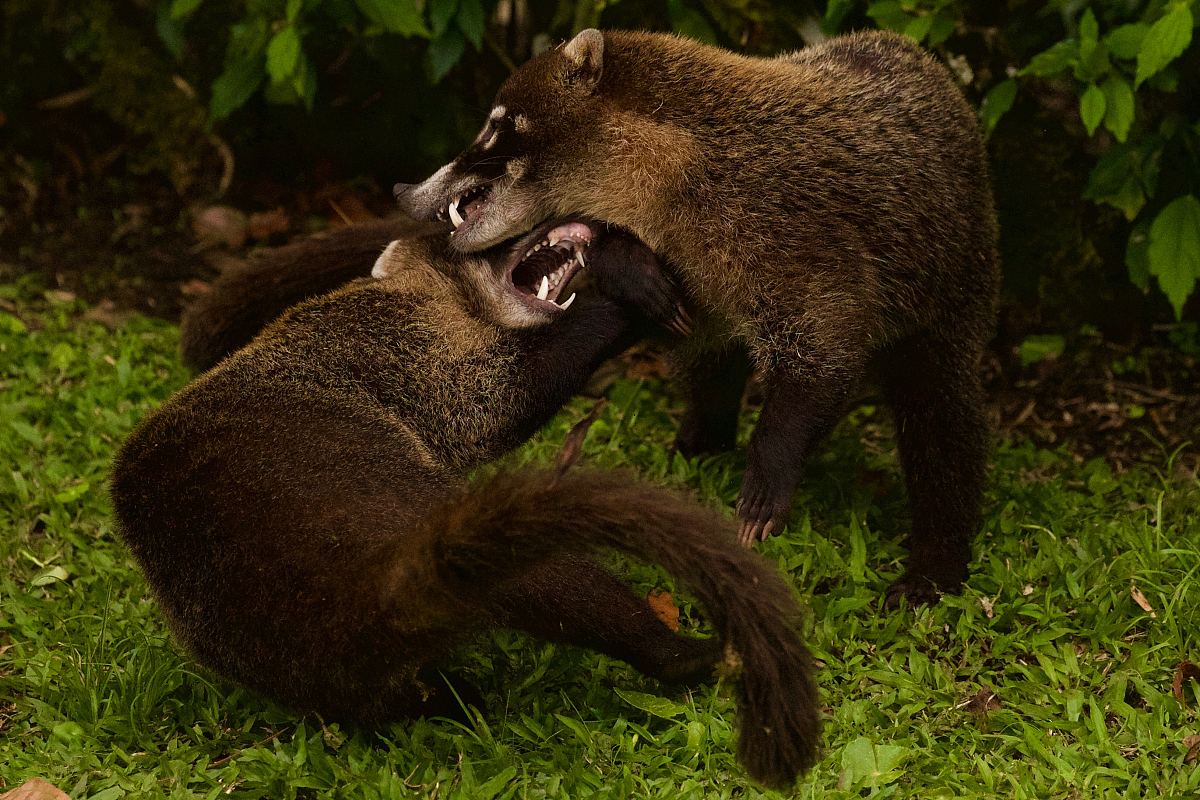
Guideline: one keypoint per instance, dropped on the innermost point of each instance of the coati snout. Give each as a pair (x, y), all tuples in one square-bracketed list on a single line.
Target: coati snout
[(495, 189), (528, 280)]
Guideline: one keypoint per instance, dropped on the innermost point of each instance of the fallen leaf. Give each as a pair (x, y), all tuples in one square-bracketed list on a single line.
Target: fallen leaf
[(107, 314), (1186, 671), (220, 225), (1192, 743), (572, 448), (1142, 602), (1028, 590), (36, 789), (195, 288), (983, 701), (349, 210), (870, 765), (986, 603), (665, 609), (265, 224), (652, 704)]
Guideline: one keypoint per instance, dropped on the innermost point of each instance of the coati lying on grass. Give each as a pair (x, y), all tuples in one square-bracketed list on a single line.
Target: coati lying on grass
[(828, 210), (302, 512)]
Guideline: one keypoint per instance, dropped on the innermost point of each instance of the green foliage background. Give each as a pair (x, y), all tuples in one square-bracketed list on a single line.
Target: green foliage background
[(1092, 107)]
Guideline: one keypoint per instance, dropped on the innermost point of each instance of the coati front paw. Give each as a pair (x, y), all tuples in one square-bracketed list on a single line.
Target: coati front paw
[(629, 272), (762, 508)]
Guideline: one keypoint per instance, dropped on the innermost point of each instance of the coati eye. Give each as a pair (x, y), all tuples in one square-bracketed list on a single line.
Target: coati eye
[(497, 123)]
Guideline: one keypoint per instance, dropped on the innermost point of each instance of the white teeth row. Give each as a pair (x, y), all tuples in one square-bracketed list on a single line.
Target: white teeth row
[(544, 292), (552, 280), (550, 242)]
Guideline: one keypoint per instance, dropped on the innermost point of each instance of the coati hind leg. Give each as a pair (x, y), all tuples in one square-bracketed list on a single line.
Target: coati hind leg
[(574, 600), (713, 382), (933, 387)]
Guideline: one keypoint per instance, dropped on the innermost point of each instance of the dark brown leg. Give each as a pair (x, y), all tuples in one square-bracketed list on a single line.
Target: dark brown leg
[(798, 411), (434, 693), (574, 600), (713, 383), (936, 398)]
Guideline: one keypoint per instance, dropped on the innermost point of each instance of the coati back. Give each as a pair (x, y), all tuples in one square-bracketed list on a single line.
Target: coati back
[(302, 512), (830, 209), (248, 296)]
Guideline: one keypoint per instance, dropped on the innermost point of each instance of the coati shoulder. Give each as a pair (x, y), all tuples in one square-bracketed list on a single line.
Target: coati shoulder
[(830, 209), (303, 515)]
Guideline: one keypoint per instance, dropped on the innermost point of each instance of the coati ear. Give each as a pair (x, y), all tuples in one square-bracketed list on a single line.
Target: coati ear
[(585, 55)]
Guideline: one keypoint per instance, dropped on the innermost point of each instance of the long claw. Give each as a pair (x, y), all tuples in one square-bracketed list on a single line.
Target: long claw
[(748, 534), (683, 312)]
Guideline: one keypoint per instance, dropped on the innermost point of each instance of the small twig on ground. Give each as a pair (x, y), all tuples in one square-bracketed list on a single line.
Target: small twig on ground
[(223, 760), (67, 99)]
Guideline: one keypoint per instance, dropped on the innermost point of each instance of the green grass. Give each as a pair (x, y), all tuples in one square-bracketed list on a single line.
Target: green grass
[(95, 697)]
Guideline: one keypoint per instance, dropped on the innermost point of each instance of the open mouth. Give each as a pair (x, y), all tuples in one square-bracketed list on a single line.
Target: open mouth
[(543, 273), (466, 206)]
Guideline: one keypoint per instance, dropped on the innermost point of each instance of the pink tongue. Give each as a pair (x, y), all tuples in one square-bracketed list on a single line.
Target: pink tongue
[(471, 207), (571, 230)]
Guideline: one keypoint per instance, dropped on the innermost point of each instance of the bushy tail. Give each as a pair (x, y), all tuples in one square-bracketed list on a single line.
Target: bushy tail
[(515, 517), (246, 297)]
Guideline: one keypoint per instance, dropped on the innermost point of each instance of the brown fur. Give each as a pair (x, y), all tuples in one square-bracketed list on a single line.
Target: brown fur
[(302, 512), (247, 297), (828, 210)]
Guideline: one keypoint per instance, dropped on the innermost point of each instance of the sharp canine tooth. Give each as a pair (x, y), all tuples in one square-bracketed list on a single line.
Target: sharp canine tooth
[(567, 304), (544, 291), (455, 217), (579, 258)]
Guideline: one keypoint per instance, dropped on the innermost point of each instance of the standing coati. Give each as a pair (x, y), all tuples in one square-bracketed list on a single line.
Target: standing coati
[(828, 210), (302, 512)]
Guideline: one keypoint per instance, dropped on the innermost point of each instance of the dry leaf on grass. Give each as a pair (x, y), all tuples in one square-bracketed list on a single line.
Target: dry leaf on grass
[(36, 789), (195, 288), (220, 225), (982, 702), (107, 314), (986, 604), (572, 449), (1142, 602), (265, 224), (1192, 743), (1186, 671), (665, 609), (348, 209)]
